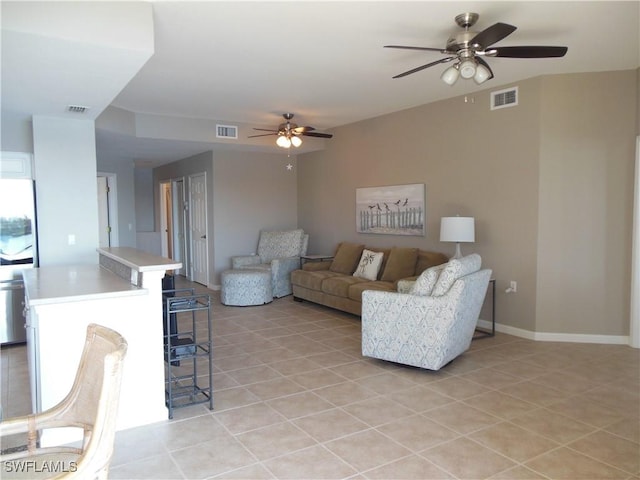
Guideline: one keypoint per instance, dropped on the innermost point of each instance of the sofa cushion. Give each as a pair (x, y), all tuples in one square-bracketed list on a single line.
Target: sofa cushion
[(311, 279), (369, 265), (280, 244), (346, 258), (426, 281), (401, 264), (339, 285), (429, 259), (355, 290), (455, 269)]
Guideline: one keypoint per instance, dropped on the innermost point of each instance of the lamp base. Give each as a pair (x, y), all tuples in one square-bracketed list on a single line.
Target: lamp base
[(458, 253)]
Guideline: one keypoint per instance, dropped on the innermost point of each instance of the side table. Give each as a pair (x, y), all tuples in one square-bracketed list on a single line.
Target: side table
[(480, 332), (314, 258)]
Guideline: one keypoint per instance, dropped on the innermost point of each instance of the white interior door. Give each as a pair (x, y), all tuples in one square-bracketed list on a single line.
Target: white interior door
[(198, 228)]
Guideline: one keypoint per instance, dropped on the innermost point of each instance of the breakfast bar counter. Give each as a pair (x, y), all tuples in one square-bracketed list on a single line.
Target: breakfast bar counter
[(122, 292)]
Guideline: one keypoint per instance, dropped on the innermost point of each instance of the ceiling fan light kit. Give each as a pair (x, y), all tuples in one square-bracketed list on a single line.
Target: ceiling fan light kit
[(468, 47), (289, 133)]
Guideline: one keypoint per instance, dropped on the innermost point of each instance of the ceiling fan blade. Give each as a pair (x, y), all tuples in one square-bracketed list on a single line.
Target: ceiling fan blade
[(417, 69), (266, 130), (416, 48), (493, 34), (299, 130), (262, 134), (485, 65), (528, 52), (317, 134)]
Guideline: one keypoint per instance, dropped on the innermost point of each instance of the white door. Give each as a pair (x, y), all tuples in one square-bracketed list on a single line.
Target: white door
[(165, 220), (198, 228), (104, 234)]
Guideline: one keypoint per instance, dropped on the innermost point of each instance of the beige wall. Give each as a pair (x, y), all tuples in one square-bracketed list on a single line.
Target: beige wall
[(586, 197), (493, 165)]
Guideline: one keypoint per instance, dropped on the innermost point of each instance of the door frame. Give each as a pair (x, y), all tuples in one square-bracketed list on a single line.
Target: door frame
[(112, 204)]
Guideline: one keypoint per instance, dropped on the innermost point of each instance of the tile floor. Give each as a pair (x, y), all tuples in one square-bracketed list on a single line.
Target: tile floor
[(294, 398)]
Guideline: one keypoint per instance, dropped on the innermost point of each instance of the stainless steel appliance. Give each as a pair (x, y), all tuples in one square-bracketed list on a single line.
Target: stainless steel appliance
[(18, 250)]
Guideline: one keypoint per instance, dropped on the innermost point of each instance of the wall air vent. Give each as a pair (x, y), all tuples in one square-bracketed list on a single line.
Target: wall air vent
[(226, 131), (504, 98), (77, 109)]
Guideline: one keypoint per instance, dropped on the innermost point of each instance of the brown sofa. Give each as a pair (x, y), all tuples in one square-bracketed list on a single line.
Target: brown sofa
[(332, 283)]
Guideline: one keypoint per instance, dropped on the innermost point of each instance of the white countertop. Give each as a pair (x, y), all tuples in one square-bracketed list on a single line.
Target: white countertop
[(73, 283), (139, 260)]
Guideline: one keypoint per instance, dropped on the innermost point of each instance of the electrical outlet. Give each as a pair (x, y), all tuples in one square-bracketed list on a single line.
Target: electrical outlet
[(513, 286), (71, 239)]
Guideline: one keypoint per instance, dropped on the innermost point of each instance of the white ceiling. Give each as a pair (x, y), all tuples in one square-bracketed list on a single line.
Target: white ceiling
[(249, 62)]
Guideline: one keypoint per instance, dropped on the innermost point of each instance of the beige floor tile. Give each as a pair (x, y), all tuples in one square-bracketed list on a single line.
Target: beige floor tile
[(417, 432), (413, 467), (157, 467), (552, 425), (535, 393), (420, 399), (295, 367), (467, 459), (457, 387), (500, 404), (233, 398), (386, 383), (251, 472), (278, 387), (491, 378), (243, 419), (586, 411), (610, 449), (275, 440), (317, 378), (628, 428), (377, 411), (513, 442), (518, 473), (461, 417), (212, 458), (311, 463), (567, 464), (330, 424), (367, 449), (356, 370), (345, 393), (259, 373), (519, 369), (299, 405)]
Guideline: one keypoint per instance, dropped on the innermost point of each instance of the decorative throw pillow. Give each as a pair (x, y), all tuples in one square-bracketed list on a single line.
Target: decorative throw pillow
[(454, 270), (401, 264), (426, 281), (346, 259), (369, 265)]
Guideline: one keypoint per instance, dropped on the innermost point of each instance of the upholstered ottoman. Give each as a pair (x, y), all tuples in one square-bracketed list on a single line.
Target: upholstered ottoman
[(244, 287)]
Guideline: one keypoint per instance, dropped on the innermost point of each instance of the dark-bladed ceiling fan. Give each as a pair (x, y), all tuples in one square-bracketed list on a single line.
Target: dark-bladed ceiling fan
[(289, 133), (468, 47)]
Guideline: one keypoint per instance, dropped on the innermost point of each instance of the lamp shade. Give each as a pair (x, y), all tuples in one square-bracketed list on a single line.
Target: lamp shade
[(450, 75), (457, 229)]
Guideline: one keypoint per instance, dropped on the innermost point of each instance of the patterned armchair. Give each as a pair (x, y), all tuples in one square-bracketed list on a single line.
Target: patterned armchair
[(278, 252), (431, 325)]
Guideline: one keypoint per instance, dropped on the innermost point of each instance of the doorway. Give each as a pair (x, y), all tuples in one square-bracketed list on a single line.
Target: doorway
[(174, 222)]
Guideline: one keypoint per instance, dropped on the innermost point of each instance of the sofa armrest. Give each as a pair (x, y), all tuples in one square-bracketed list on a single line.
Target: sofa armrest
[(240, 261)]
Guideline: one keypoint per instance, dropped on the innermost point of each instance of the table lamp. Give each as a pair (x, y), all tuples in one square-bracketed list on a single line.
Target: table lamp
[(458, 230)]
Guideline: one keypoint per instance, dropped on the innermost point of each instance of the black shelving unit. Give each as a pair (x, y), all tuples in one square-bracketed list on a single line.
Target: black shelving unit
[(187, 349)]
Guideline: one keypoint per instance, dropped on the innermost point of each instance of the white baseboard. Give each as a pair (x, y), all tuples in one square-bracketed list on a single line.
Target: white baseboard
[(557, 337), (213, 287)]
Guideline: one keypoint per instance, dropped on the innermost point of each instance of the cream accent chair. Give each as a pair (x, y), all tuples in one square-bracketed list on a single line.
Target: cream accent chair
[(278, 252), (431, 325), (91, 404)]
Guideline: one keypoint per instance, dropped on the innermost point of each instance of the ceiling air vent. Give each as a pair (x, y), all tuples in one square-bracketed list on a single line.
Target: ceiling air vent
[(226, 131), (77, 109), (504, 98)]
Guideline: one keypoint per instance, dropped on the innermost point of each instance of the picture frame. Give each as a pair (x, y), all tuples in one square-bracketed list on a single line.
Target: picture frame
[(391, 210)]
